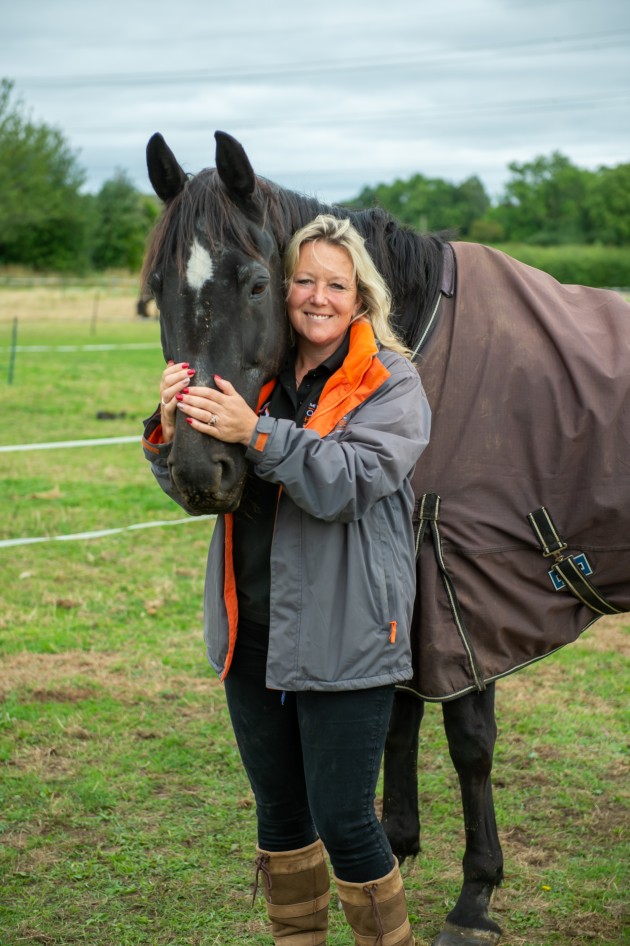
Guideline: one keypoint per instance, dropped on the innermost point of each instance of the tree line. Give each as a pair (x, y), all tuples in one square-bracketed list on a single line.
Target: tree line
[(48, 223), (546, 202)]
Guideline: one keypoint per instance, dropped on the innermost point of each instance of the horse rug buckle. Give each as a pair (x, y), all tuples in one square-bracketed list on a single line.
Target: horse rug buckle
[(582, 563)]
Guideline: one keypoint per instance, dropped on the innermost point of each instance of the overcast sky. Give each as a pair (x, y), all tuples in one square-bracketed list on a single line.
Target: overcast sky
[(328, 96)]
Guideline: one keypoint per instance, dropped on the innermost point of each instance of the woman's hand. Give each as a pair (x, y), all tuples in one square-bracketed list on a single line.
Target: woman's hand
[(175, 379), (222, 414)]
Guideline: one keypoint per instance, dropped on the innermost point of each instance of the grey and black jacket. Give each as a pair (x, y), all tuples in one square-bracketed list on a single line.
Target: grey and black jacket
[(342, 555)]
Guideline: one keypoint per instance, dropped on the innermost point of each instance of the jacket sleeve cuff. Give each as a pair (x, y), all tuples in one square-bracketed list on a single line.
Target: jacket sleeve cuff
[(155, 450), (264, 429)]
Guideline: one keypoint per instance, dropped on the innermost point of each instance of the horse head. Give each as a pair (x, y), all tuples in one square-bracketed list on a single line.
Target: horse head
[(214, 268)]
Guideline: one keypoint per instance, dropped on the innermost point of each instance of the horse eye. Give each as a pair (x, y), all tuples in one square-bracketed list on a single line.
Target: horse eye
[(259, 287), (155, 283)]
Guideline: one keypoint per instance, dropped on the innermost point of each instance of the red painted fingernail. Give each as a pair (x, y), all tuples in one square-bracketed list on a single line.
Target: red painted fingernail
[(189, 420), (185, 390), (219, 377), (185, 364), (190, 372), (178, 397)]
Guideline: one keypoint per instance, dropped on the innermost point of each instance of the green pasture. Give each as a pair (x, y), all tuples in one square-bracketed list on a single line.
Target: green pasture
[(125, 817)]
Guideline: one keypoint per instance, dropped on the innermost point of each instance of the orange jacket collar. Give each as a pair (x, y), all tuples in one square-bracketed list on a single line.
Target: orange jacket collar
[(360, 376)]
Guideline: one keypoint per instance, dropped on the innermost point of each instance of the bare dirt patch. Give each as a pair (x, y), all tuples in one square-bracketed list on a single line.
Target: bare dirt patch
[(610, 633), (76, 675), (71, 303), (537, 683), (56, 676)]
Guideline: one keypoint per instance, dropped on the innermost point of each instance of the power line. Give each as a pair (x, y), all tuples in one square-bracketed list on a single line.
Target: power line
[(423, 59), (607, 99)]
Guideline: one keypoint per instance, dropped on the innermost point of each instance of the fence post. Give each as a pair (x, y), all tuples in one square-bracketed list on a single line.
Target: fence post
[(13, 350), (94, 313)]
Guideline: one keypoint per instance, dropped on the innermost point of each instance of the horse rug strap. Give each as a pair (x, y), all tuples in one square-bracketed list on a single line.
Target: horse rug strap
[(568, 571), (427, 514)]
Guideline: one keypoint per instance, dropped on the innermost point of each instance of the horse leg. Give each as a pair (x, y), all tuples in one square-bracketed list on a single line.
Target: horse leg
[(400, 816), (471, 731)]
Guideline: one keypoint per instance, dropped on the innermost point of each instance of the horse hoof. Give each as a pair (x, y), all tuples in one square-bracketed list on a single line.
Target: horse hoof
[(453, 935)]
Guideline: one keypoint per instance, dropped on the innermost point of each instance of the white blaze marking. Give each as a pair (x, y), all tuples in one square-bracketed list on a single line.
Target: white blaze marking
[(200, 267)]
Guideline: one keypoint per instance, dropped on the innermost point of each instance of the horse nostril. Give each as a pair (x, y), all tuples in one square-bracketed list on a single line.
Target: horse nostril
[(227, 470)]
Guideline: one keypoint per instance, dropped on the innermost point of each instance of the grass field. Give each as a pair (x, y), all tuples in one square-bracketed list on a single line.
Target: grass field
[(125, 817)]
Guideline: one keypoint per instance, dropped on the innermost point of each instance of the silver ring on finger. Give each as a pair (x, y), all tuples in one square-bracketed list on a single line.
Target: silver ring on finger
[(164, 404), (214, 420)]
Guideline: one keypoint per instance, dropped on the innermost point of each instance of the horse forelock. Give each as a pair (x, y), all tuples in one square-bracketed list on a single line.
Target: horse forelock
[(203, 210)]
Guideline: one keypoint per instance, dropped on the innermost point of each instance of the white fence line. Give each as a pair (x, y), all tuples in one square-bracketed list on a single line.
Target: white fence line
[(126, 346), (63, 444), (100, 533), (78, 536)]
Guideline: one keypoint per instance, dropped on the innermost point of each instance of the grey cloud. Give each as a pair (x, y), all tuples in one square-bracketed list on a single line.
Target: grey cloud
[(330, 97)]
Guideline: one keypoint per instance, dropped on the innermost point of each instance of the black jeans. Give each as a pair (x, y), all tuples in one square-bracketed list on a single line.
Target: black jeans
[(313, 760)]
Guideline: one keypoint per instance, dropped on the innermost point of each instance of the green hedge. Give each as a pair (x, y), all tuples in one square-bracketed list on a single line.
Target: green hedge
[(603, 266)]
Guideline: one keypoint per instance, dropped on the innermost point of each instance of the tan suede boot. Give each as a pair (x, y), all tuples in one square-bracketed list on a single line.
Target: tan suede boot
[(377, 911), (297, 891)]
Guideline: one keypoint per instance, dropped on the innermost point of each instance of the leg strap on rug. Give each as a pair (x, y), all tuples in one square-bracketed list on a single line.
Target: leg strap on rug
[(427, 515), (568, 571)]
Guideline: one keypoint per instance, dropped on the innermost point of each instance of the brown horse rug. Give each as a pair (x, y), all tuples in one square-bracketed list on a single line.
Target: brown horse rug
[(529, 383)]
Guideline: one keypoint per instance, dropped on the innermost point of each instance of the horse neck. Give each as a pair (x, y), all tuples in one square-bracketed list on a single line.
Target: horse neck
[(410, 263), (291, 211)]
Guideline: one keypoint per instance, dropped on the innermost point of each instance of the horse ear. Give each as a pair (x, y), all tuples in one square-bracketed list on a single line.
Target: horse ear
[(234, 168), (165, 174)]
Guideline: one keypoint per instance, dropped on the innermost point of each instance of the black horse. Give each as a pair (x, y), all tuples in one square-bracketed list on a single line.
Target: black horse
[(522, 493)]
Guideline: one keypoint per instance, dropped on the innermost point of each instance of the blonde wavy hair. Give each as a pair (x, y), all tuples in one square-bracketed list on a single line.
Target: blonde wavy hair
[(371, 287)]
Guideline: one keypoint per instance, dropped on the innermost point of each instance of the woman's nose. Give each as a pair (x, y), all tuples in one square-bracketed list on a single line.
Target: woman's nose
[(319, 293)]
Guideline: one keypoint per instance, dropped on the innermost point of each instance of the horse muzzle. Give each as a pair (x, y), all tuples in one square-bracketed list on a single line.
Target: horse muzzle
[(209, 476)]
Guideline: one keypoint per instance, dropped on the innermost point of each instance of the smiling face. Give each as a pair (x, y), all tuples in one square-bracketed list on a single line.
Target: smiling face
[(323, 299)]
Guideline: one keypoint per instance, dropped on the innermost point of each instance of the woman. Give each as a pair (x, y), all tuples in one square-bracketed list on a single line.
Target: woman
[(323, 557)]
